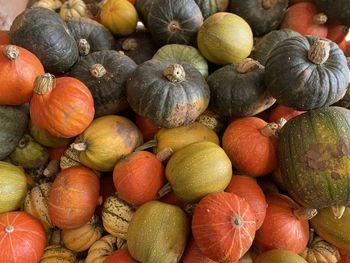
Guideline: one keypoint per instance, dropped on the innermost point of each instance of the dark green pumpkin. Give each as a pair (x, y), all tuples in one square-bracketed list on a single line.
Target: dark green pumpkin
[(338, 10), (168, 95), (174, 22), (44, 33), (262, 15), (207, 7), (238, 90), (314, 157), (143, 7), (105, 74), (90, 35), (263, 48), (299, 74), (13, 123), (345, 101)]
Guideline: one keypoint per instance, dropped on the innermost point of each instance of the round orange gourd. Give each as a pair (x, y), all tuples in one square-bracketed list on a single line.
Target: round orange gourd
[(336, 31), (344, 255), (120, 256), (73, 197), (285, 112), (64, 106), (22, 238), (192, 254), (19, 68), (147, 128), (4, 38), (251, 145)]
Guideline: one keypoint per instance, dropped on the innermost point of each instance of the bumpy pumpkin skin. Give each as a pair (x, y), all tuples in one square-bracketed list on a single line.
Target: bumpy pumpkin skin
[(45, 34), (314, 157), (168, 104), (297, 82), (337, 10)]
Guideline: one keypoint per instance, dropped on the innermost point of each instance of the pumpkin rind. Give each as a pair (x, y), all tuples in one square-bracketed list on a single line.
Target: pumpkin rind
[(121, 255), (207, 7), (337, 10)]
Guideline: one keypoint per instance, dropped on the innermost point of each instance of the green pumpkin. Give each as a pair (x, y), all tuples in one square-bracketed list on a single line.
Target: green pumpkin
[(143, 7), (13, 187), (157, 233), (279, 256), (183, 54), (13, 123), (314, 157), (338, 10)]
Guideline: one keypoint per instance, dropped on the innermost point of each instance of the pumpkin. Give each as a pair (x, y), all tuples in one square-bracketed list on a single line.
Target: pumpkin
[(194, 255), (157, 233), (19, 70), (147, 128), (73, 197), (306, 19), (49, 38), (22, 238), (345, 255), (35, 203), (81, 238), (177, 93), (211, 7), (239, 90), (223, 226), (4, 37), (116, 215), (90, 35), (225, 38), (174, 22), (119, 16), (53, 237), (50, 4), (105, 74), (107, 188), (121, 255), (267, 14), (239, 141), (170, 198), (285, 112), (143, 7), (104, 247), (336, 32), (268, 42), (64, 107), (285, 225), (314, 158), (13, 124), (198, 169), (13, 187), (57, 253), (183, 54), (338, 10), (247, 188), (278, 256), (73, 9), (322, 84), (105, 141), (213, 121)]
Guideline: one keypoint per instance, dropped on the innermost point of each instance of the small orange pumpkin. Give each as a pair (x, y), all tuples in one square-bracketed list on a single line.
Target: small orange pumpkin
[(4, 38), (120, 256), (285, 112), (147, 128)]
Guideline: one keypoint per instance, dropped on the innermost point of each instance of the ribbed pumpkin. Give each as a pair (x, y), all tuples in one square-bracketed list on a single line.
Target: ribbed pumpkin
[(176, 94), (104, 247), (192, 254), (157, 233), (338, 10), (320, 251), (50, 4), (73, 9), (4, 37), (13, 187), (223, 226), (105, 141), (73, 197), (198, 169), (306, 73), (64, 106), (143, 7), (19, 68), (278, 256), (57, 253), (281, 111), (225, 38), (147, 128), (121, 255), (212, 6), (22, 238), (105, 74)]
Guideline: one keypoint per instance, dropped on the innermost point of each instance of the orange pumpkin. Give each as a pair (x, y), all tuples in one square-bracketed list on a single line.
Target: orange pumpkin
[(337, 32), (64, 106), (344, 255), (19, 68), (139, 177), (192, 254), (120, 256), (22, 238), (147, 128), (285, 112), (106, 189), (73, 197), (4, 38), (251, 145), (56, 153), (248, 188)]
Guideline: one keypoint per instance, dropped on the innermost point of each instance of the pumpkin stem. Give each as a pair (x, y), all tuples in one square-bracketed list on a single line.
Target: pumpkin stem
[(146, 145), (164, 154), (130, 44), (189, 208), (23, 142), (268, 4), (11, 52), (237, 221), (44, 83), (304, 213), (338, 211), (97, 71), (84, 47), (319, 51), (311, 237), (174, 27), (320, 19), (270, 129), (52, 168), (9, 229), (80, 147), (174, 73), (247, 65), (165, 190)]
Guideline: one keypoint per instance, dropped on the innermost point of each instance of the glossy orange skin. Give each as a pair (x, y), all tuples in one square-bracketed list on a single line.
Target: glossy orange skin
[(120, 256), (56, 153), (73, 197), (106, 189), (336, 32), (250, 151), (192, 254), (66, 110), (4, 38), (281, 111), (27, 241), (139, 177), (344, 255), (17, 76), (248, 188), (146, 127)]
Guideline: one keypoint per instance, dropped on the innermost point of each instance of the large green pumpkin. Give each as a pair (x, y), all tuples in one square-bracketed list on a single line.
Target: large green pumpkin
[(157, 233), (338, 10), (13, 187), (314, 157)]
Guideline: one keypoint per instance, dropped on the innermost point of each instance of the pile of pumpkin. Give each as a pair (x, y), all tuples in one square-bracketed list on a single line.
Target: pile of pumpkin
[(182, 140)]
